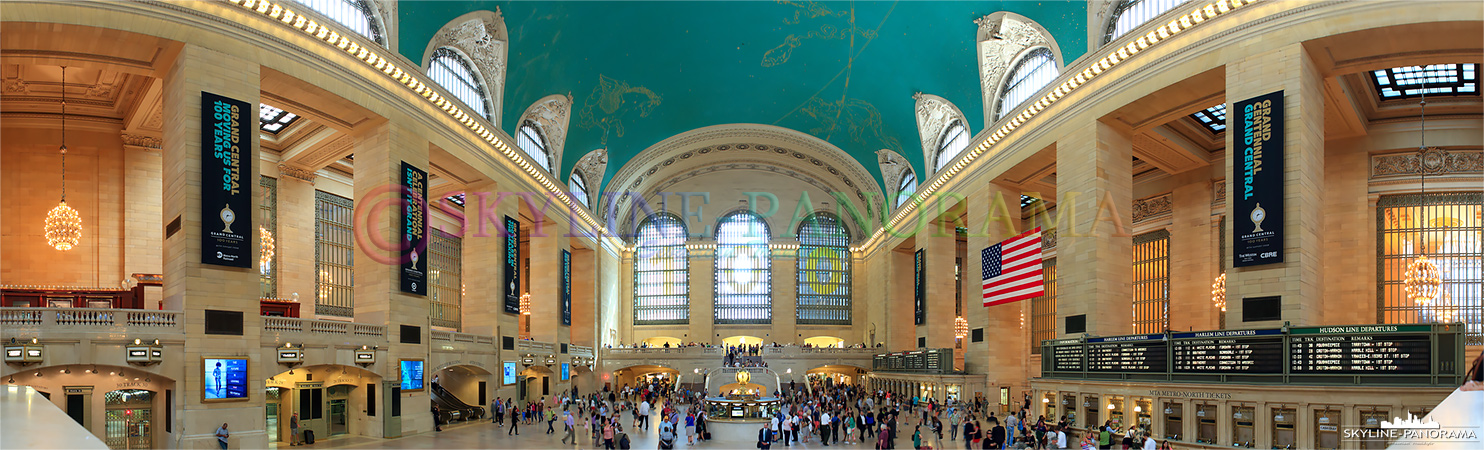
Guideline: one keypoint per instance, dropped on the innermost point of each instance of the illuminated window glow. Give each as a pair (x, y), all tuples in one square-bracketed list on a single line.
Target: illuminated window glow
[(823, 271), (744, 283), (1034, 71), (661, 272), (1130, 14), (1213, 118), (1152, 282), (273, 120), (449, 69), (352, 14), (955, 140), (531, 141), (1447, 228), (1433, 79)]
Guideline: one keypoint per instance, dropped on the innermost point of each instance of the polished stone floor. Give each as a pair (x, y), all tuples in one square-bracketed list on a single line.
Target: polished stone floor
[(487, 435)]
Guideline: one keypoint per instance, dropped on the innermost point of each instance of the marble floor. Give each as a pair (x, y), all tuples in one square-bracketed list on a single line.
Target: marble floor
[(485, 435)]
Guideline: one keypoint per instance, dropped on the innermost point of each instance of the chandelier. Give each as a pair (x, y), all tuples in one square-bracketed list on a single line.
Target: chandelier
[(265, 254), (1423, 278), (63, 224), (525, 304), (1218, 292), (960, 327)]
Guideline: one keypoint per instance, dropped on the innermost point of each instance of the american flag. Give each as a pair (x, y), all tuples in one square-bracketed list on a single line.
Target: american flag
[(1012, 269)]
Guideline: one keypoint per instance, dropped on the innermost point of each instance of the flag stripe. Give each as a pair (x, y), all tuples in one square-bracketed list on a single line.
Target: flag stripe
[(1012, 269)]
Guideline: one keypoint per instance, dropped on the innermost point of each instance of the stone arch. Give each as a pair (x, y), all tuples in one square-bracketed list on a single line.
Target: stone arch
[(592, 166), (894, 168), (479, 37), (1003, 39), (551, 115), (934, 114)]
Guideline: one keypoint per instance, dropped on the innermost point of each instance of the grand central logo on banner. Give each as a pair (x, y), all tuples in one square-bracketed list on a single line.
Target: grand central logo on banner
[(1258, 173), (226, 181), (414, 230)]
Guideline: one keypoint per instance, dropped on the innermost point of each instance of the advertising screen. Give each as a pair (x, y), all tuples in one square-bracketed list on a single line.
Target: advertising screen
[(566, 371), (225, 378), (412, 375), (509, 375)]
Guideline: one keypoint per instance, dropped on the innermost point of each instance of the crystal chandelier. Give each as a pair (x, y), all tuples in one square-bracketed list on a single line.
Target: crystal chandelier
[(1218, 292), (960, 327), (265, 254), (525, 304), (63, 224), (1424, 280)]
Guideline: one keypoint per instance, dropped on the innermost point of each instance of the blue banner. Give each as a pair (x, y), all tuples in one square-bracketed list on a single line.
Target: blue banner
[(227, 206), (1257, 174)]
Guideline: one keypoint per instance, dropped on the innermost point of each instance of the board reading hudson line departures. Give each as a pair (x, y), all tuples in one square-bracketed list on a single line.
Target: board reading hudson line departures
[(1360, 350)]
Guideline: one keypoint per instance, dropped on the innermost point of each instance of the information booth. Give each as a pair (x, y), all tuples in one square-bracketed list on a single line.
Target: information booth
[(1370, 421), (1327, 427), (1284, 418), (1174, 421), (1243, 432), (1206, 415), (1090, 411)]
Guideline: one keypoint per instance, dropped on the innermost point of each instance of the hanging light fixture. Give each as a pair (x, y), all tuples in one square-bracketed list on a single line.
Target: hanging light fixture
[(63, 224), (525, 304), (1423, 279), (1218, 292), (960, 327), (265, 255)]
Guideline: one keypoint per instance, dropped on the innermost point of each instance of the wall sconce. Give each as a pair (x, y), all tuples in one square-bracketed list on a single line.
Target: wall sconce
[(290, 355), (1138, 409), (366, 356), (24, 353), (144, 353), (550, 361), (1110, 406), (528, 360)]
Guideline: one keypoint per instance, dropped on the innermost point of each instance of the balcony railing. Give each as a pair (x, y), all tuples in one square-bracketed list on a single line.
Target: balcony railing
[(454, 336), (529, 346), (296, 325), (580, 350), (88, 317)]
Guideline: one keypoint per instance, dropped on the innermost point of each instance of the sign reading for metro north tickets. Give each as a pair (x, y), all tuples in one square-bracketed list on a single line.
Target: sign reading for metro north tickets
[(1257, 174), (227, 134)]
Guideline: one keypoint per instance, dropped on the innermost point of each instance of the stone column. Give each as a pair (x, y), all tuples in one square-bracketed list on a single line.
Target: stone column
[(994, 215), (785, 296), (547, 242), (940, 248), (295, 240), (484, 261), (901, 334), (380, 150), (191, 286), (1094, 172), (1298, 279), (584, 296), (1191, 252)]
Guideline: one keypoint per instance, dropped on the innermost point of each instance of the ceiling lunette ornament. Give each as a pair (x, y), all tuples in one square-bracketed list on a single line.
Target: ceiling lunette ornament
[(894, 167), (1002, 37), (480, 36), (553, 114), (933, 115)]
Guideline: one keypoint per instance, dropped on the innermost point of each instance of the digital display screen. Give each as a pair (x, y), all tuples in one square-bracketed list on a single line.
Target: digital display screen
[(1140, 353), (566, 371), (412, 375), (509, 375), (225, 378), (1235, 351), (1379, 349)]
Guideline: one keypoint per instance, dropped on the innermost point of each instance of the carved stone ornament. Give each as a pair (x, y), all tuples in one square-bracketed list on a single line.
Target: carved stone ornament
[(298, 173), (552, 113), (16, 86), (934, 113), (592, 166), (894, 168), (482, 39), (1002, 37), (1149, 208), (1048, 239), (135, 140), (1218, 192), (1432, 161)]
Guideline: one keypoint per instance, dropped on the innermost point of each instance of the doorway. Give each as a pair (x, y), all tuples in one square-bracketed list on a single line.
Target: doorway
[(271, 413), (311, 407), (127, 419), (339, 399)]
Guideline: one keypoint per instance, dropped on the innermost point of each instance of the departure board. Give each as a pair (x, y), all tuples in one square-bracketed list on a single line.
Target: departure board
[(1137, 353), (1361, 350), (1228, 351), (1066, 355)]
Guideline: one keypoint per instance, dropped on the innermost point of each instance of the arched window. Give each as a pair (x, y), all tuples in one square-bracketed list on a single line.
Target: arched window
[(744, 283), (449, 69), (661, 271), (578, 186), (824, 271), (530, 140), (954, 140), (353, 14), (1129, 14), (907, 187), (1034, 71)]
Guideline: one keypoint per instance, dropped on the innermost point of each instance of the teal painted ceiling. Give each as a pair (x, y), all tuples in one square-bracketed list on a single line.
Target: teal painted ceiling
[(640, 72)]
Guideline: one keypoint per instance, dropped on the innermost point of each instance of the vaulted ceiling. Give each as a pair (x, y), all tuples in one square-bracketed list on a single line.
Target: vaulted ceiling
[(640, 72)]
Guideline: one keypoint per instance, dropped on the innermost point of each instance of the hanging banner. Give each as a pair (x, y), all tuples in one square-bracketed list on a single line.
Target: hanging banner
[(226, 160), (1258, 174), (566, 287), (414, 230), (512, 266), (919, 288)]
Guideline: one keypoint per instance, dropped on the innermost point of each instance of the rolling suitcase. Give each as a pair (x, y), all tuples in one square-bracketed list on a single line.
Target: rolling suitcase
[(308, 437)]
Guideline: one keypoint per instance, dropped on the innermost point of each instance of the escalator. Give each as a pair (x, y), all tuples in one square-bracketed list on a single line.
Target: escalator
[(450, 408)]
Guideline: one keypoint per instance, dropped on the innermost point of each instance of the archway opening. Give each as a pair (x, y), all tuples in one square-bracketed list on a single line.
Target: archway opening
[(824, 341), (460, 391), (742, 340), (663, 341), (835, 375), (122, 406), (536, 383), (330, 400)]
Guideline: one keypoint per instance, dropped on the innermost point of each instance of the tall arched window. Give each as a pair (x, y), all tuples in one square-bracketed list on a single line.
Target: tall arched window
[(449, 69), (824, 271), (353, 14), (530, 140), (954, 140), (661, 271), (744, 283), (1034, 71), (1129, 14), (906, 187), (578, 186)]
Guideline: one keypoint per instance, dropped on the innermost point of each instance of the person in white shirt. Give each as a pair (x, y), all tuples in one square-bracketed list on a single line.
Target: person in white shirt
[(643, 415), (774, 427), (1061, 438), (1149, 443)]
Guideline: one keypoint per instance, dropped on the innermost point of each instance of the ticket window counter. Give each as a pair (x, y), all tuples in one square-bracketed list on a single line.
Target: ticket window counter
[(1174, 421), (954, 391), (1068, 401), (1048, 406), (1243, 432), (1090, 406), (1327, 428), (1284, 420), (1370, 421), (1205, 416), (1143, 415), (1115, 414)]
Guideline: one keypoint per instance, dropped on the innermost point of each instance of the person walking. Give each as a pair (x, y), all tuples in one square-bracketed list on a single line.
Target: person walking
[(437, 424), (514, 421), (222, 435), (608, 435), (294, 430), (569, 424), (690, 428)]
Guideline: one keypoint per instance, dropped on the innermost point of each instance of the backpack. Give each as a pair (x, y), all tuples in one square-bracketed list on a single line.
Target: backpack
[(623, 441)]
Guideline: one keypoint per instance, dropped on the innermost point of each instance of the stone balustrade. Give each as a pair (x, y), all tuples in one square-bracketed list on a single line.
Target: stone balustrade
[(102, 319)]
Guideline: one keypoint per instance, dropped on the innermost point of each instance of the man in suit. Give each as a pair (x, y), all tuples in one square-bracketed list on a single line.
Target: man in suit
[(765, 437)]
